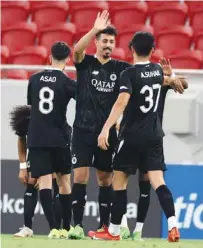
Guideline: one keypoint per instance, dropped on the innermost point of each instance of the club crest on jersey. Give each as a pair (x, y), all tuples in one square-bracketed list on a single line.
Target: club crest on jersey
[(113, 77), (149, 74), (48, 79), (74, 159)]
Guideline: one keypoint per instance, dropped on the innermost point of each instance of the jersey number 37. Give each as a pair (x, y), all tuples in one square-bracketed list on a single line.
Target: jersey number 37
[(46, 97), (149, 97)]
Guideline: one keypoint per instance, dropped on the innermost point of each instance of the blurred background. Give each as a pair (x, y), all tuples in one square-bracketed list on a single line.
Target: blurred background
[(29, 28)]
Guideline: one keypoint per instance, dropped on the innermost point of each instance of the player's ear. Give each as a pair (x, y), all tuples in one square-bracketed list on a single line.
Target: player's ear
[(67, 61), (50, 59)]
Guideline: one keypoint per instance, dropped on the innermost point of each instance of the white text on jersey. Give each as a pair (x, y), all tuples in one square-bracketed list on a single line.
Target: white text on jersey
[(48, 79), (149, 74)]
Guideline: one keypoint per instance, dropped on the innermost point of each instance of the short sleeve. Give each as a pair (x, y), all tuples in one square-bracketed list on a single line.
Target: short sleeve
[(125, 82), (84, 64), (71, 86), (29, 93)]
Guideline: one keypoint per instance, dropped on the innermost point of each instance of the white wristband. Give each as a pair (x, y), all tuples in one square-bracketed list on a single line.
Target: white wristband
[(23, 165)]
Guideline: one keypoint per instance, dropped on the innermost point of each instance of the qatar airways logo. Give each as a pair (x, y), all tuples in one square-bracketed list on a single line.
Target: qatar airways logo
[(104, 86)]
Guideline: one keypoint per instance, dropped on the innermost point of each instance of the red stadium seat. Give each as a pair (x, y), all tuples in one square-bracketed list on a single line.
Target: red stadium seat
[(168, 14), (48, 13), (199, 40), (13, 12), (189, 59), (4, 54), (17, 74), (34, 55), (124, 14), (126, 35), (60, 32), (157, 55), (152, 5), (174, 39), (196, 14), (83, 15), (18, 36)]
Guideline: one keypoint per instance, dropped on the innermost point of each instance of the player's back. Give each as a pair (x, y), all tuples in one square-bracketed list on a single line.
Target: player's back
[(49, 93), (141, 115)]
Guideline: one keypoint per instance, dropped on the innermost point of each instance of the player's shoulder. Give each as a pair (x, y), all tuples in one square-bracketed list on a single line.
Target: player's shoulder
[(122, 64)]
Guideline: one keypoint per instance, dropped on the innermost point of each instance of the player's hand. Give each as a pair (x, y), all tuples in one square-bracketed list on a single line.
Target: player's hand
[(166, 66), (103, 139), (102, 20), (23, 176), (176, 84)]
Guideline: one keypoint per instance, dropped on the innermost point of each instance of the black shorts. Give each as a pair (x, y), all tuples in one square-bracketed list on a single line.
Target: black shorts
[(86, 153), (145, 156), (44, 161)]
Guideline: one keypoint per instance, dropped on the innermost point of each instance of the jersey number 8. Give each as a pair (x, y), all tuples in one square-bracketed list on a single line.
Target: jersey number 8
[(150, 97), (48, 100)]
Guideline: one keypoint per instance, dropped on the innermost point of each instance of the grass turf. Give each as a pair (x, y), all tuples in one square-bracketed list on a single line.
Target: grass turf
[(8, 241)]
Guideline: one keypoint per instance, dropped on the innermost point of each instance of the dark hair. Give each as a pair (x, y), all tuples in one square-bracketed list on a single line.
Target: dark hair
[(60, 50), (142, 43), (110, 30), (19, 119)]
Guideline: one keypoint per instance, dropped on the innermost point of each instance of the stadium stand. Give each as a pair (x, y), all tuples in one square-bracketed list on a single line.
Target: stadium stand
[(177, 25)]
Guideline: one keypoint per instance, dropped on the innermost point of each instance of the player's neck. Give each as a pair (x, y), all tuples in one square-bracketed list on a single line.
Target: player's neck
[(101, 59), (138, 59), (57, 66)]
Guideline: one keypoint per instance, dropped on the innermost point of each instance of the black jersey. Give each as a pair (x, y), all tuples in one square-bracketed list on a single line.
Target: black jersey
[(49, 93), (164, 90), (97, 91), (141, 119)]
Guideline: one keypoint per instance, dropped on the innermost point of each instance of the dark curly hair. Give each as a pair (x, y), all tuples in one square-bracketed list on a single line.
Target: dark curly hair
[(19, 119)]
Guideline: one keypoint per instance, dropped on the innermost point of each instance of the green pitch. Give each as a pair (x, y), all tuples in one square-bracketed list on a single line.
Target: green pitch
[(7, 241)]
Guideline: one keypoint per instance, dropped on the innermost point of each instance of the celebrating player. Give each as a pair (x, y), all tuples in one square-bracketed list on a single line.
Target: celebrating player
[(97, 90), (141, 134), (49, 93)]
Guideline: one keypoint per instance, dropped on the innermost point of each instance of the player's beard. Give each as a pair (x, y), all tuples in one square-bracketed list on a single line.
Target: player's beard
[(107, 54)]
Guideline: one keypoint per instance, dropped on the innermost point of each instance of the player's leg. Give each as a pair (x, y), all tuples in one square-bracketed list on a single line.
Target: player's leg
[(82, 156), (62, 166), (41, 168), (123, 167), (143, 204), (56, 201), (30, 202), (156, 166)]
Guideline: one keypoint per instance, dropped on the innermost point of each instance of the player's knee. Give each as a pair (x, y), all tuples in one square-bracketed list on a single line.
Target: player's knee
[(104, 178), (81, 175), (45, 182), (32, 181), (120, 180), (64, 184), (156, 178), (143, 177)]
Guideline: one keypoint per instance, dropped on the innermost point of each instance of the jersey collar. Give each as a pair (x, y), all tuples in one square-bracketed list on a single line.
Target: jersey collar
[(96, 57), (142, 63), (56, 69)]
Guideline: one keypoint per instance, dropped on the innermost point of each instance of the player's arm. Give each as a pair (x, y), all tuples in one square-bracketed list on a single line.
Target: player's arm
[(175, 83), (117, 110), (22, 152), (101, 23)]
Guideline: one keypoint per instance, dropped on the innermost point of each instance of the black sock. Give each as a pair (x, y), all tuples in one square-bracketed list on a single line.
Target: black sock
[(66, 206), (119, 207), (78, 202), (30, 202), (57, 203), (166, 200), (57, 210), (144, 199), (105, 200), (46, 201)]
